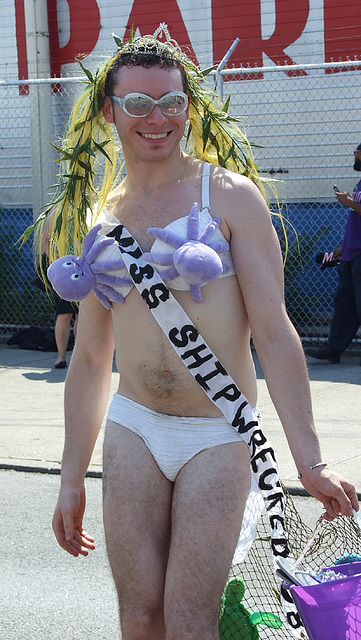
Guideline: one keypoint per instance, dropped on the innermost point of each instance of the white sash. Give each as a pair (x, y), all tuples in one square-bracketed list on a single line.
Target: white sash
[(266, 489)]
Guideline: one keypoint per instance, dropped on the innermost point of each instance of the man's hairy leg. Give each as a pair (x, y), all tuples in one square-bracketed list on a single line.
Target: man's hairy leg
[(208, 503), (137, 499)]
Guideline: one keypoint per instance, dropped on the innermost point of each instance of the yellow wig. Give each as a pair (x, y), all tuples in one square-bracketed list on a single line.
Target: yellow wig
[(212, 136)]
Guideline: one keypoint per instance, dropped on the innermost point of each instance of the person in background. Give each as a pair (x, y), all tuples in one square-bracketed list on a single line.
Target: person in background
[(65, 313), (346, 318)]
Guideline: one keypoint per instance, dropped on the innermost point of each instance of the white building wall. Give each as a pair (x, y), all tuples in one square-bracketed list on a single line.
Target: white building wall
[(297, 120)]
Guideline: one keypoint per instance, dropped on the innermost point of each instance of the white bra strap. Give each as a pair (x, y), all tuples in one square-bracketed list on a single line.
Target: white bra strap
[(205, 186)]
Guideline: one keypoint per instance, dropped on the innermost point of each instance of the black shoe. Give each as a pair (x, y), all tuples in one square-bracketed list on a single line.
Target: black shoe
[(60, 365), (324, 353)]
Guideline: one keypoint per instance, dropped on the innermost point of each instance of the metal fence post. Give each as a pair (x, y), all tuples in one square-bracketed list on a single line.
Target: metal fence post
[(41, 113), (222, 64)]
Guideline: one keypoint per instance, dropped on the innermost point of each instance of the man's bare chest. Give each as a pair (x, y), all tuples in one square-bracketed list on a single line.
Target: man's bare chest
[(138, 215)]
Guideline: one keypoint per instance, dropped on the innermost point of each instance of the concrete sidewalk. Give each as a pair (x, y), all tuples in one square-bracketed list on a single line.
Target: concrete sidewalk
[(32, 415)]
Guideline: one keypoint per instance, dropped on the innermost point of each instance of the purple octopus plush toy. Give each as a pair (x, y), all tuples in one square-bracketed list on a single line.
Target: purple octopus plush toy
[(101, 268), (97, 269)]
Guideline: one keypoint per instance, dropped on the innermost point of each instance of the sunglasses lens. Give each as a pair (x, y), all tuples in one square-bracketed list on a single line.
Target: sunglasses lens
[(138, 105), (173, 105)]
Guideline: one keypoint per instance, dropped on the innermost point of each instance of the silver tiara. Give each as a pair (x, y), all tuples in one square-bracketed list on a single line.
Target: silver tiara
[(153, 44)]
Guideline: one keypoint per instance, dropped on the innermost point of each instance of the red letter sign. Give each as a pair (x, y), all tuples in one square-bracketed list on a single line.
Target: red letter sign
[(243, 20), (84, 33), (342, 30)]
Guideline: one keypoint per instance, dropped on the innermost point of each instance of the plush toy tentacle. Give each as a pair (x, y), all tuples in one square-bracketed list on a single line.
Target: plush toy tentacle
[(167, 235), (113, 281), (193, 222), (196, 292), (102, 298), (97, 248), (219, 246), (164, 259), (89, 239), (170, 274), (112, 294), (104, 291), (209, 230), (108, 265)]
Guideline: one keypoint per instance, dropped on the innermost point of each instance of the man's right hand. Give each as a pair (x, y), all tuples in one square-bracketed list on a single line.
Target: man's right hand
[(337, 253), (344, 198), (68, 522)]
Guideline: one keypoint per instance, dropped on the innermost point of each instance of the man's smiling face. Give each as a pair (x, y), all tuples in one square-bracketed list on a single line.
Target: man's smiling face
[(151, 137)]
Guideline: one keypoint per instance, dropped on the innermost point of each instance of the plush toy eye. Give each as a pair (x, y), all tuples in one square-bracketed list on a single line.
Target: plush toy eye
[(67, 264), (75, 276)]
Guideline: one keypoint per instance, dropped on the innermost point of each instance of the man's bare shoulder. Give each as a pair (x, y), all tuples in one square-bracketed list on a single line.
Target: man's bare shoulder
[(235, 194)]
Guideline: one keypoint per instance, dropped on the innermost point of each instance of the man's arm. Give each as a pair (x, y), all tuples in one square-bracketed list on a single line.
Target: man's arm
[(258, 262), (86, 394), (337, 253), (346, 200)]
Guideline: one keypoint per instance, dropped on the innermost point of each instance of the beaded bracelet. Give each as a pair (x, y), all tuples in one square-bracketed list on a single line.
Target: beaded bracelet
[(313, 466)]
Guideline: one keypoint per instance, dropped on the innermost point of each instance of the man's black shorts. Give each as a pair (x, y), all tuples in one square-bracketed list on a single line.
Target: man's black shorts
[(64, 306)]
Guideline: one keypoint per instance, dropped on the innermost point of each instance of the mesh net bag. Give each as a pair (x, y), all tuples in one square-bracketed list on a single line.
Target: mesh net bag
[(252, 601)]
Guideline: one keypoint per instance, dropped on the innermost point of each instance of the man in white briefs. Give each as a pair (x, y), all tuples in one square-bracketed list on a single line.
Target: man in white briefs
[(176, 472)]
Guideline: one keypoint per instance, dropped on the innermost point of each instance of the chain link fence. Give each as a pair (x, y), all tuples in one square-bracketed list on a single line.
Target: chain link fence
[(304, 122)]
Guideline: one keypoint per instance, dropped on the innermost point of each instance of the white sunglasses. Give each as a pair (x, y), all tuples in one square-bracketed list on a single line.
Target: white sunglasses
[(138, 105)]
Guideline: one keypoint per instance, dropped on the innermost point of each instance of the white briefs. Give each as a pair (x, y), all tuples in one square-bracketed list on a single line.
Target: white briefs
[(172, 440)]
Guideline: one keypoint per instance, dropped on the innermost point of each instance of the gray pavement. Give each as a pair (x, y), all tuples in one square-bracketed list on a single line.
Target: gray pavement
[(45, 593), (31, 417)]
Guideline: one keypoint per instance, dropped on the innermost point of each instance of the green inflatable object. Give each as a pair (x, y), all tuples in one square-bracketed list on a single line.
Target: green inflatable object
[(235, 621)]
